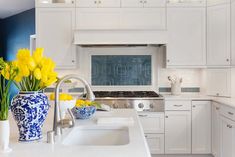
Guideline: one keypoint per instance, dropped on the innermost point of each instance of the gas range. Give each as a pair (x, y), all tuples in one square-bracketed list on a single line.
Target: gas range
[(148, 101), (126, 94)]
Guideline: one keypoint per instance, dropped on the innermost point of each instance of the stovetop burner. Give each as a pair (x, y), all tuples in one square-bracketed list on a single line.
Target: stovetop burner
[(128, 94)]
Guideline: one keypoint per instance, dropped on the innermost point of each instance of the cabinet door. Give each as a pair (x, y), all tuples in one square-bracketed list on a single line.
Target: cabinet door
[(54, 30), (155, 143), (178, 132), (143, 18), (98, 3), (201, 127), (215, 130), (218, 35), (219, 82), (227, 137), (152, 122), (186, 36), (233, 31), (97, 18)]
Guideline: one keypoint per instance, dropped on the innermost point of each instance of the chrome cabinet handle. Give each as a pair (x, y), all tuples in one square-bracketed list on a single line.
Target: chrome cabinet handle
[(230, 113), (141, 115), (178, 105), (229, 126)]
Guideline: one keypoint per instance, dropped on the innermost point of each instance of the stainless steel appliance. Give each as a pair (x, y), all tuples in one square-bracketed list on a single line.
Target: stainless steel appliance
[(139, 100)]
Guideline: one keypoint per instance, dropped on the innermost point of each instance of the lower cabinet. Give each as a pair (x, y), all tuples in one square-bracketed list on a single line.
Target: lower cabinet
[(227, 135), (216, 129), (201, 127), (178, 132), (155, 143), (153, 126)]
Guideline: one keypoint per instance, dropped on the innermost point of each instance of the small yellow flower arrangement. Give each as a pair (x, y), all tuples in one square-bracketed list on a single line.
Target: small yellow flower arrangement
[(62, 96), (36, 71), (86, 103)]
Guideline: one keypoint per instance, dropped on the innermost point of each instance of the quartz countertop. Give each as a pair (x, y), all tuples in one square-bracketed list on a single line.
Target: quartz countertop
[(222, 100), (137, 146)]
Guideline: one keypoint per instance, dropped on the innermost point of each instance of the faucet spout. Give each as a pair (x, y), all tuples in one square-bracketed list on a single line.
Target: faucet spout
[(57, 116)]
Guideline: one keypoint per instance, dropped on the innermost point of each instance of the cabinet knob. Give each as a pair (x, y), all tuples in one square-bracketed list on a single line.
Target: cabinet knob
[(141, 1), (227, 60), (194, 106), (166, 116), (230, 113), (168, 60), (145, 1), (73, 61), (217, 94), (217, 108), (72, 2), (99, 2), (95, 2)]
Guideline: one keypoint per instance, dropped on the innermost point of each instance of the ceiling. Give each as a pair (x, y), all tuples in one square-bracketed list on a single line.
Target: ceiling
[(12, 7)]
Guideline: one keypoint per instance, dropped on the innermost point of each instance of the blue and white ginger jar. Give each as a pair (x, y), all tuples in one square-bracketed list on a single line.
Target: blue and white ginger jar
[(29, 110)]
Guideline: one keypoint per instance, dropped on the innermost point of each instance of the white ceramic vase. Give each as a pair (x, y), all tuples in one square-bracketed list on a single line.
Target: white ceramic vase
[(4, 136)]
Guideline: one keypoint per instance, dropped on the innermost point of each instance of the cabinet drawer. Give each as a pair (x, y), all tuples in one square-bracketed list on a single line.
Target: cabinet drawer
[(228, 112), (98, 3), (177, 105), (152, 122), (155, 143)]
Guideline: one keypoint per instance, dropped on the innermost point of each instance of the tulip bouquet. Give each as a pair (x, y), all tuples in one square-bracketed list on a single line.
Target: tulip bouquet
[(5, 83), (36, 72)]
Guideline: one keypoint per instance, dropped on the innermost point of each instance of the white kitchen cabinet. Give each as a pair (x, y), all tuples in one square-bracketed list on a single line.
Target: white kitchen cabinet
[(177, 132), (97, 18), (227, 133), (219, 82), (143, 3), (55, 31), (233, 31), (216, 129), (143, 18), (153, 126), (152, 122), (201, 127), (218, 35), (155, 143), (186, 36), (98, 3)]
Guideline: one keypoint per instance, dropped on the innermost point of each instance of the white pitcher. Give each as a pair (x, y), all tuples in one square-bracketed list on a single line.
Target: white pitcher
[(176, 88), (4, 136)]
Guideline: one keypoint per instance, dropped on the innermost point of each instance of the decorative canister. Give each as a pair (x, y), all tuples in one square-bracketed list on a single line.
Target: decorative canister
[(29, 110)]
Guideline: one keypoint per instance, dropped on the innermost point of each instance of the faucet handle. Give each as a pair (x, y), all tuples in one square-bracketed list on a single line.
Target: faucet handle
[(68, 123), (72, 117)]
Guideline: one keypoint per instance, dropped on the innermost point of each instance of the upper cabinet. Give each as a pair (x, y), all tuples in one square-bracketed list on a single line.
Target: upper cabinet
[(143, 3), (54, 29), (233, 31), (121, 15), (218, 35), (98, 3), (186, 36), (219, 82)]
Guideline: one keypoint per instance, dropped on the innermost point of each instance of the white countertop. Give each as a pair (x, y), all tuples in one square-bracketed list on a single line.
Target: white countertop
[(222, 100), (137, 146)]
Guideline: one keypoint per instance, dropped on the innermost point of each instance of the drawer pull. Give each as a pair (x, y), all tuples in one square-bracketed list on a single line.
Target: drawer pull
[(178, 105), (229, 126), (143, 115), (230, 113), (217, 108)]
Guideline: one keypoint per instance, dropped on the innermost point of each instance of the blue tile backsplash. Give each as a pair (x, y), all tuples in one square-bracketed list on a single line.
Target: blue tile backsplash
[(120, 70)]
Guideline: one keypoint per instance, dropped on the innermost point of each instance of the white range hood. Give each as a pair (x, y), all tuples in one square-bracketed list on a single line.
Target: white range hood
[(116, 37)]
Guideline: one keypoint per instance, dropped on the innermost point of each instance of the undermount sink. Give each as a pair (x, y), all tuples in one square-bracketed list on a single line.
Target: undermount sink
[(97, 136)]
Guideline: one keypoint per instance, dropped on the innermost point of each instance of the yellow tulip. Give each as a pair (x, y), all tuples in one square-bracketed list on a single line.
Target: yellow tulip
[(50, 81), (6, 72), (37, 74), (31, 63), (38, 55), (23, 55), (18, 78), (24, 70)]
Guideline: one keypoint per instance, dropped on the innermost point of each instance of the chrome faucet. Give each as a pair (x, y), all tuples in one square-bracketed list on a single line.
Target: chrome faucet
[(60, 123)]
